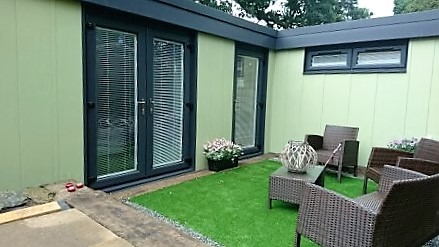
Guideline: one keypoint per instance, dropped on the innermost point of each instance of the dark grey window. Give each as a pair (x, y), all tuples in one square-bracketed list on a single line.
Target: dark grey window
[(389, 56), (328, 60)]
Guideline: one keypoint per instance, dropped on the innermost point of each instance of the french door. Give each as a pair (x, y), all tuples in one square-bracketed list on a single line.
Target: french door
[(138, 102), (249, 99)]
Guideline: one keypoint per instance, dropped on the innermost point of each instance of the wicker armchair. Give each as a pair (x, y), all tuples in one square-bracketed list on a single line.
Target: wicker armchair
[(324, 145), (424, 160), (403, 212)]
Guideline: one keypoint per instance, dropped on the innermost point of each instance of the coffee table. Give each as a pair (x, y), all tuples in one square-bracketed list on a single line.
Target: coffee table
[(288, 187)]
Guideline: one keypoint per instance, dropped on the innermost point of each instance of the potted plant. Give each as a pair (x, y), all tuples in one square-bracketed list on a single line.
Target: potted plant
[(221, 154), (405, 144)]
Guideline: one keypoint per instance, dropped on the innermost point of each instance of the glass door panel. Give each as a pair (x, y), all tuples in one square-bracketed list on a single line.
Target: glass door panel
[(116, 102), (139, 103), (246, 101), (167, 103)]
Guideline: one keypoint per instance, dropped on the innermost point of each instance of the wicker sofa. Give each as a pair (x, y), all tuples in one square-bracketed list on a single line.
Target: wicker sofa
[(424, 160), (403, 212), (324, 145)]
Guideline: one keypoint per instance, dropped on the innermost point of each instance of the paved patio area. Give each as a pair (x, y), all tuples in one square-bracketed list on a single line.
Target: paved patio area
[(65, 228), (99, 219)]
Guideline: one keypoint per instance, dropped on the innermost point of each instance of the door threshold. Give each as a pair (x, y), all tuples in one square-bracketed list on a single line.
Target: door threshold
[(128, 185)]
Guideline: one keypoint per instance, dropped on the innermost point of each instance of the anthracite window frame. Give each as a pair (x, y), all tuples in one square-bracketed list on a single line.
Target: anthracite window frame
[(352, 51), (311, 54)]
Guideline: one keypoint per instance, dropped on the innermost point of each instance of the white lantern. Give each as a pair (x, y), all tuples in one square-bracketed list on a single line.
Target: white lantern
[(297, 156)]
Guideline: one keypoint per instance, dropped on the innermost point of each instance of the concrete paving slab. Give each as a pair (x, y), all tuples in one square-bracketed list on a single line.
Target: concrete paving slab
[(128, 223), (66, 228)]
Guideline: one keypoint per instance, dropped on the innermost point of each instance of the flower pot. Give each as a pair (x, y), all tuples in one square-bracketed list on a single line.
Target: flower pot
[(219, 165)]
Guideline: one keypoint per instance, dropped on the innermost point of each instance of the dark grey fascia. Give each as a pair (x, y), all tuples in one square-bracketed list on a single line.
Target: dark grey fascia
[(414, 25), (196, 17)]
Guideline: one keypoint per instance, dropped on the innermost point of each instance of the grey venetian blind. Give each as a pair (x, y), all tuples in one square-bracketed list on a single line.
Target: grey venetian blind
[(379, 57), (329, 60), (246, 101), (116, 102), (167, 102)]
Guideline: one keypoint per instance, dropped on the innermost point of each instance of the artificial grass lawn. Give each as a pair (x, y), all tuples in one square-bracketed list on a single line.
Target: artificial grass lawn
[(231, 207)]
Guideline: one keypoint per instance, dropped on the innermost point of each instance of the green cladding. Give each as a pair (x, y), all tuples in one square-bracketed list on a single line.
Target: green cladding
[(41, 132), (214, 91), (385, 106), (41, 95)]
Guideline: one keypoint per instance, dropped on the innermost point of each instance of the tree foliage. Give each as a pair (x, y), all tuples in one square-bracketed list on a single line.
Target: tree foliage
[(408, 6), (225, 6), (292, 13)]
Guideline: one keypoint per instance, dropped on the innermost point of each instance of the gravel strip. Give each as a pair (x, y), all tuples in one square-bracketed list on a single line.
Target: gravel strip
[(174, 223)]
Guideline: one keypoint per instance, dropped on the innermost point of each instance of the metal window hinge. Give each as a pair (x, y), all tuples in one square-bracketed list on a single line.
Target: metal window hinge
[(190, 106), (190, 46)]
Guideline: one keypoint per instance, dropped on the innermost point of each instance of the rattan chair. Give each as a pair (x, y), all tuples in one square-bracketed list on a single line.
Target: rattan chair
[(324, 145), (403, 212), (424, 160)]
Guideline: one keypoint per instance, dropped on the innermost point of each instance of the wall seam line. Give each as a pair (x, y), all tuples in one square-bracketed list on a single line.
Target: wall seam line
[(374, 110), (409, 78), (20, 141), (436, 43)]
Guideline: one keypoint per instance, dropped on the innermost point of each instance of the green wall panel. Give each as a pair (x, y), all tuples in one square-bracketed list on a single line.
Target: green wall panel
[(336, 92), (418, 97), (362, 109), (311, 111), (43, 68), (9, 138), (293, 94), (390, 108), (269, 103), (384, 106), (214, 91), (69, 90), (35, 86), (433, 113)]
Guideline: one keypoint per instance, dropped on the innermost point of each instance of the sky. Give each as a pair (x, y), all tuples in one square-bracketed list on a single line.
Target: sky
[(379, 8)]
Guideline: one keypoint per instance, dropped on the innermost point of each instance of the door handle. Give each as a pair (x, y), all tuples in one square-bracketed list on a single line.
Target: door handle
[(142, 105), (151, 106)]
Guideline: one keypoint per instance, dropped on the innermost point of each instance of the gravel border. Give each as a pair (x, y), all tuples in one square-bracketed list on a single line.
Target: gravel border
[(174, 223)]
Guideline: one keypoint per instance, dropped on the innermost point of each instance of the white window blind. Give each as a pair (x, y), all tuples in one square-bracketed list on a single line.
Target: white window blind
[(246, 101), (329, 60), (116, 102), (168, 95), (379, 58)]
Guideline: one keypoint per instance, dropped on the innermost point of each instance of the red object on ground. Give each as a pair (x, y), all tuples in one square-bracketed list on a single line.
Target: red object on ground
[(79, 185), (71, 189), (69, 184)]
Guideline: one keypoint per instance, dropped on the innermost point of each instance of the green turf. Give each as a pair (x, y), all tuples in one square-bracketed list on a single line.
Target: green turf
[(231, 207)]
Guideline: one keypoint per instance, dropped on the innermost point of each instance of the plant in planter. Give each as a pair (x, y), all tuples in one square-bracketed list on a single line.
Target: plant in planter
[(405, 144), (221, 154)]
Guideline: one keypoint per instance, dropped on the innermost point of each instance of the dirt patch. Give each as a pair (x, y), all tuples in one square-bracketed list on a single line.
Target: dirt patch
[(39, 195)]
